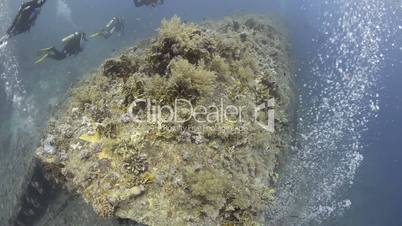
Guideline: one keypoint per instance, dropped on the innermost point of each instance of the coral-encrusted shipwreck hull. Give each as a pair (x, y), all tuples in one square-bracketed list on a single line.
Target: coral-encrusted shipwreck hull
[(186, 172)]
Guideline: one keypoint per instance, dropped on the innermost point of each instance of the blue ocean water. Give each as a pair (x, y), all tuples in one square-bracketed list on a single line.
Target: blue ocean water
[(348, 58), (376, 193)]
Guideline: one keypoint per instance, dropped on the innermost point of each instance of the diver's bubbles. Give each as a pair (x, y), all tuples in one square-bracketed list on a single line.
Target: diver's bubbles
[(64, 11), (17, 126), (340, 97), (9, 68)]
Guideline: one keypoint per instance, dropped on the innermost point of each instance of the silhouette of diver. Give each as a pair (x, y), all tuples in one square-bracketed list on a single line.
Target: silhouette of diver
[(25, 19), (73, 44), (153, 3), (114, 25)]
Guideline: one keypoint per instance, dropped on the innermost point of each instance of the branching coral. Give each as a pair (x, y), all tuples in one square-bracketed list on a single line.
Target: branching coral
[(179, 39), (189, 81), (136, 163), (103, 207)]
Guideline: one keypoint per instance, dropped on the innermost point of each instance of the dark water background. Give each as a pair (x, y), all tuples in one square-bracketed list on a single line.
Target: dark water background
[(376, 193)]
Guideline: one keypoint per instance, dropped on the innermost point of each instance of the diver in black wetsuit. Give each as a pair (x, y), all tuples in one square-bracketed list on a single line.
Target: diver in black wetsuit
[(73, 44), (153, 3), (25, 19), (115, 25)]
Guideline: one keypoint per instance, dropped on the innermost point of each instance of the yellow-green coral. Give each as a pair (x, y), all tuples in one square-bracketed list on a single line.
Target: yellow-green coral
[(159, 172), (210, 185), (179, 39), (189, 81)]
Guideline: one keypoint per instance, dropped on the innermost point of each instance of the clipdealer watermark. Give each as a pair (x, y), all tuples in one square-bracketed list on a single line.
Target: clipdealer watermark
[(146, 110)]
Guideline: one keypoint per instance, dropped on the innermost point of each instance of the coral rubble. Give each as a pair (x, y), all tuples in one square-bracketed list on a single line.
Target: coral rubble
[(202, 169)]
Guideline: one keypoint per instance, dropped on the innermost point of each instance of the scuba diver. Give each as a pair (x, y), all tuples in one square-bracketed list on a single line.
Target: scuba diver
[(115, 25), (153, 3), (73, 44), (25, 19)]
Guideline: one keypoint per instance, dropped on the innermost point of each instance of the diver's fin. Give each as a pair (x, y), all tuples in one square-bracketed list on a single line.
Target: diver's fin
[(44, 51), (94, 35), (42, 59)]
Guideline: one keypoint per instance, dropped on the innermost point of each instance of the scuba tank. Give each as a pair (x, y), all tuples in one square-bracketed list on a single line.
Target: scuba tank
[(70, 37), (74, 43), (112, 22)]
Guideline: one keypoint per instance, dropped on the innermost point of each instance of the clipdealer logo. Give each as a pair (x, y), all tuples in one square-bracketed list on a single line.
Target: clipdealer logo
[(147, 111), (269, 109)]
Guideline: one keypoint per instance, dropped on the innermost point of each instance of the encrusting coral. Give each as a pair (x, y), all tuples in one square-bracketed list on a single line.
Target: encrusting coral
[(203, 169)]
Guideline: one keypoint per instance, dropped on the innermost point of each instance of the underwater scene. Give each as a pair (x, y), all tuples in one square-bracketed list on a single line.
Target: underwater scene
[(189, 112)]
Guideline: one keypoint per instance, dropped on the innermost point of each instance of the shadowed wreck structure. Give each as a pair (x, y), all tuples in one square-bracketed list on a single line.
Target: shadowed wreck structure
[(131, 162)]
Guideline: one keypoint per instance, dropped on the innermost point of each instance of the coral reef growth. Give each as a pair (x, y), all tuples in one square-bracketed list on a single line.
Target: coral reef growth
[(121, 67), (174, 40), (207, 169)]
